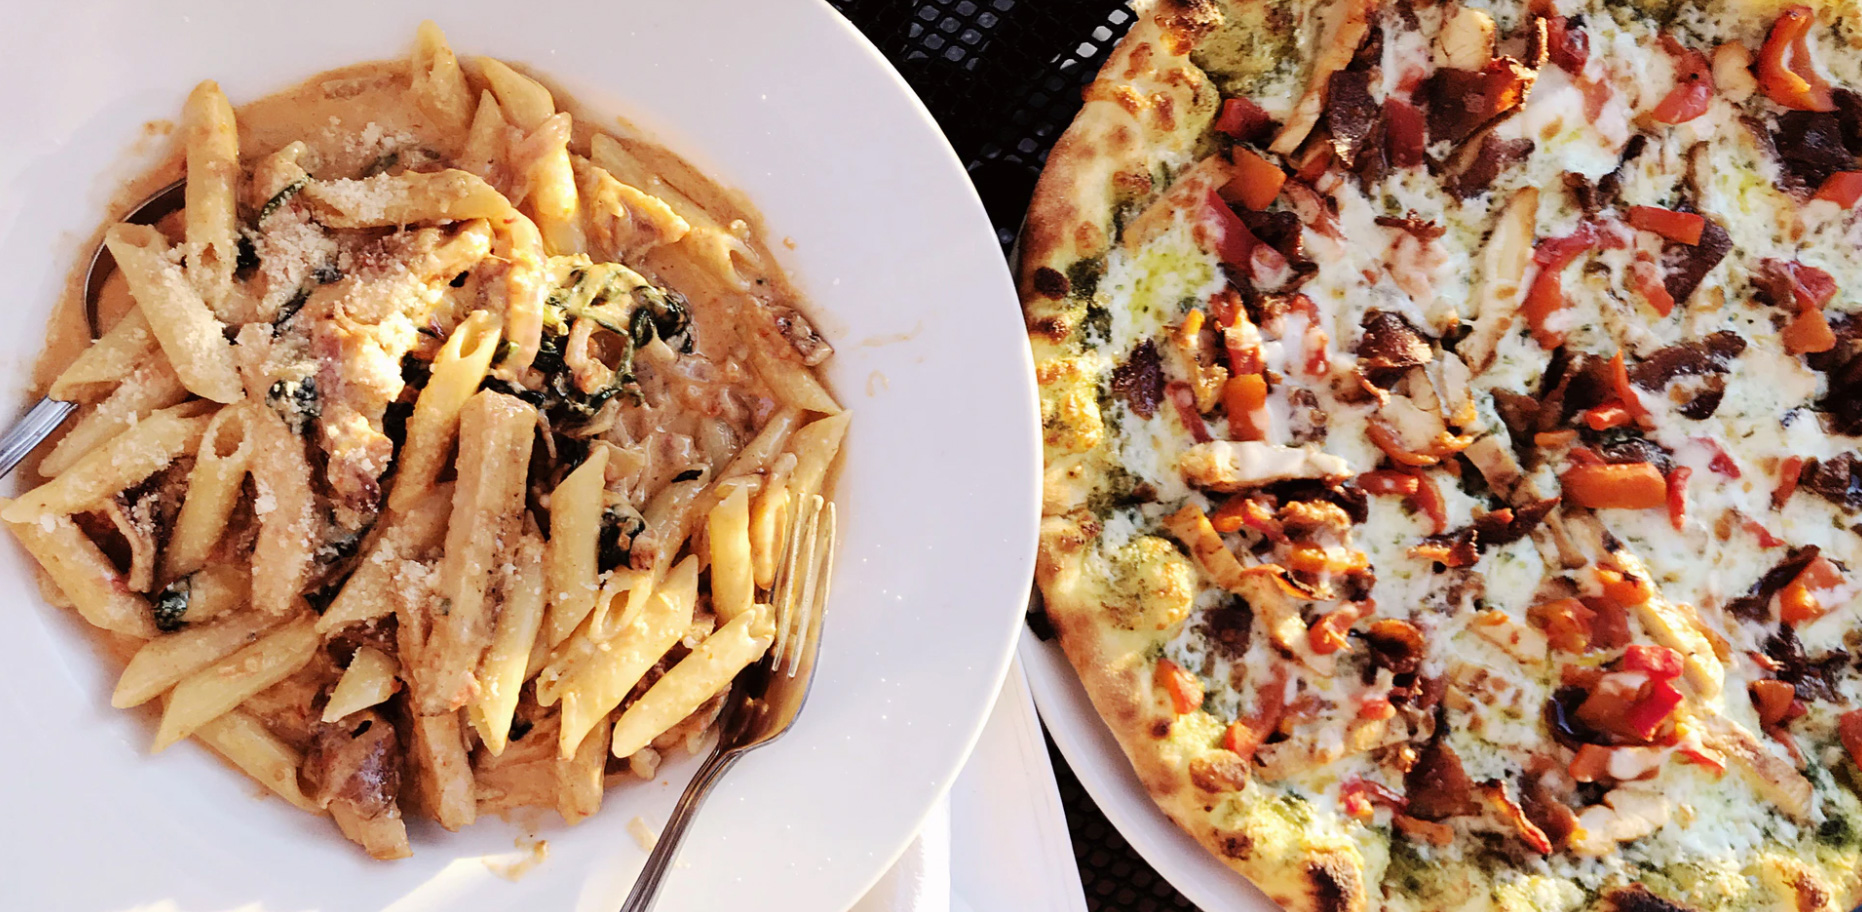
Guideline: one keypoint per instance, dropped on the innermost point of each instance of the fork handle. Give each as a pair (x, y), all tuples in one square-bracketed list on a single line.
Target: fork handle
[(646, 887), (31, 430)]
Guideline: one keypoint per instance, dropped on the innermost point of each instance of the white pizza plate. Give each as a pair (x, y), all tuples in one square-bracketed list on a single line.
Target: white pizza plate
[(873, 216), (1096, 759)]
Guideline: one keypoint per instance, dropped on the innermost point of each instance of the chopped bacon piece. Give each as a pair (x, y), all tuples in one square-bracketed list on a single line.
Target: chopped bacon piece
[(1626, 486), (1844, 188), (1680, 227), (1786, 73), (1359, 796), (1245, 735), (1693, 89), (1186, 693), (1327, 634), (1248, 511), (1606, 416), (1566, 44), (1428, 499), (1677, 496), (1592, 763), (1184, 399), (1566, 622), (1405, 134)]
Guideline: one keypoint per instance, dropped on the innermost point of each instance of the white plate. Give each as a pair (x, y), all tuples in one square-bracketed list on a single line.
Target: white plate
[(939, 496), (1102, 769)]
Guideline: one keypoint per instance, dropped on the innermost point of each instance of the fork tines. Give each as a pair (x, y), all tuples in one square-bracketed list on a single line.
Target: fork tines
[(801, 585)]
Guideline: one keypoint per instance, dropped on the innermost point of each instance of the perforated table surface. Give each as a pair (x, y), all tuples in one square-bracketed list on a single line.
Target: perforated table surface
[(1003, 79)]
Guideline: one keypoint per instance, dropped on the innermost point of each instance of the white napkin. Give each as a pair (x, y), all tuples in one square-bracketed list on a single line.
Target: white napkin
[(998, 842)]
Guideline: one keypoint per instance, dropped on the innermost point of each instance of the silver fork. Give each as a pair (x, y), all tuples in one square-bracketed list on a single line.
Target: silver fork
[(47, 414), (769, 694)]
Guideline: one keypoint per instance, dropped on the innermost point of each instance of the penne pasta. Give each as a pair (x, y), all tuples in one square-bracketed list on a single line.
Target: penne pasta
[(501, 676), (213, 591), (457, 371), (575, 529), (523, 291), (669, 517), (526, 102), (369, 681), (441, 769), (166, 660), (127, 459), (286, 510), (216, 689), (579, 778), (126, 347), (484, 151), (708, 669), (409, 535), (814, 447), (82, 572), (549, 184), (140, 394), (212, 214), (439, 86), (410, 197), (214, 484), (791, 382), (384, 837), (597, 685), (733, 583), (495, 435), (189, 333), (245, 743)]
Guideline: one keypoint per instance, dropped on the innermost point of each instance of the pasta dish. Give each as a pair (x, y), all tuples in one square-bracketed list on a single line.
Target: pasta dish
[(437, 457)]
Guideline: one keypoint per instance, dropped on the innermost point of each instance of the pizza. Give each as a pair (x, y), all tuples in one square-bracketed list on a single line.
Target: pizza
[(1452, 416)]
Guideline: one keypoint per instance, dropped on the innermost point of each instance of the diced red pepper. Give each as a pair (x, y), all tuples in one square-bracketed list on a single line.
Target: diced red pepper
[(1786, 73), (1606, 416), (1788, 470), (1843, 188), (1257, 181), (1808, 333), (1773, 701), (1245, 399), (1327, 634), (1627, 591), (1721, 463), (1405, 134), (1184, 400), (1186, 693), (1645, 276), (1242, 119), (1645, 718), (1625, 486), (1810, 286), (1849, 729), (1375, 708), (1693, 89), (1680, 227), (1567, 45), (1226, 234), (1428, 499), (1758, 530), (1677, 496), (1246, 734), (1388, 481), (1799, 601), (1658, 662), (1546, 296), (1625, 392), (1711, 762)]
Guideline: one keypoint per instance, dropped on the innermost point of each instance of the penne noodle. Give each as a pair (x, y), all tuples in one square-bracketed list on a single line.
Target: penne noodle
[(791, 382), (369, 681), (148, 389), (627, 589), (286, 510), (216, 590), (406, 198), (456, 373), (442, 771), (814, 447), (216, 481), (406, 536), (484, 151), (501, 676), (523, 292), (164, 661), (669, 518), (189, 333), (212, 214), (733, 583), (575, 531), (127, 346), (216, 689), (598, 684), (384, 836), (579, 779), (126, 460), (526, 102), (549, 182), (82, 572), (768, 520), (246, 743), (439, 85), (708, 669), (495, 436)]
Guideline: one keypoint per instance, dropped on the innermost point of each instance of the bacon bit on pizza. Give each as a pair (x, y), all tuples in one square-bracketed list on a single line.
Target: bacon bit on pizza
[(1257, 181), (1844, 188), (1693, 89), (1183, 398), (1494, 794), (1186, 693), (1245, 398), (1629, 705), (1438, 786), (1552, 440), (1788, 471), (1566, 622), (1405, 134), (1787, 74), (1567, 45), (1658, 662), (1386, 438), (1776, 702), (1428, 499), (1429, 831), (1798, 602), (1626, 486), (1242, 340), (1243, 120), (1680, 227), (1318, 362), (1677, 496)]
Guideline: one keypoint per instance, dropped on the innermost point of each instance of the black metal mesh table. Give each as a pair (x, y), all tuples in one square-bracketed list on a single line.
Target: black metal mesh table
[(1003, 79)]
